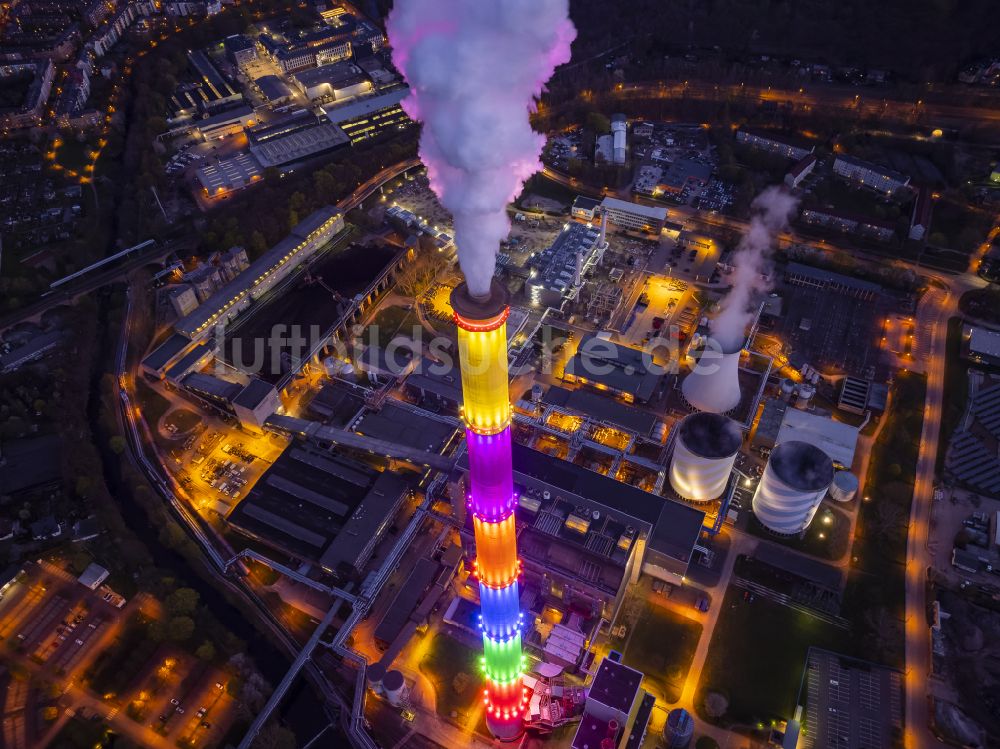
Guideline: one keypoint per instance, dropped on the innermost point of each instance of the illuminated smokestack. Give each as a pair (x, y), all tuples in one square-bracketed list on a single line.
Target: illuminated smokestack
[(713, 384), (704, 453), (482, 349)]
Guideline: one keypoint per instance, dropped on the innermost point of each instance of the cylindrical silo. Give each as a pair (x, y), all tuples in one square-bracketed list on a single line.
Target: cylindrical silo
[(393, 685), (793, 485), (704, 453), (844, 486), (714, 384), (679, 729), (804, 395), (787, 389)]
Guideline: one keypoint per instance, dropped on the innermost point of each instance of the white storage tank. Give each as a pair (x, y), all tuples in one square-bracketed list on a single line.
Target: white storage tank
[(844, 486), (794, 483), (394, 685), (704, 453), (804, 396), (714, 384)]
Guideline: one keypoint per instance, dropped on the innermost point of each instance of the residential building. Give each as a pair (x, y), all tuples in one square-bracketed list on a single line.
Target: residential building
[(847, 223), (777, 144), (865, 173), (802, 169), (36, 78)]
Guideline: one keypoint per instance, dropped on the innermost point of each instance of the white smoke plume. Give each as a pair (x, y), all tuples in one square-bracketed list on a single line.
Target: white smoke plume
[(476, 69), (771, 211)]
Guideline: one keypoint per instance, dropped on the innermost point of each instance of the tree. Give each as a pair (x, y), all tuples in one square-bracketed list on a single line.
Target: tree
[(205, 651), (598, 122), (180, 628), (258, 245), (706, 742), (275, 736), (117, 444), (182, 601)]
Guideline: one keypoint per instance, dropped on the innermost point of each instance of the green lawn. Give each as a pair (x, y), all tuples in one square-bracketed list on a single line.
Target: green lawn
[(390, 322), (823, 540), (454, 670), (757, 655), (151, 403), (875, 595), (662, 645)]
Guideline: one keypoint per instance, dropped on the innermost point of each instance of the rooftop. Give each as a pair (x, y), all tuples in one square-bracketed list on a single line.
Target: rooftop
[(615, 685), (617, 367), (338, 113), (602, 408), (253, 394), (984, 342), (402, 425), (675, 526), (651, 212), (166, 351)]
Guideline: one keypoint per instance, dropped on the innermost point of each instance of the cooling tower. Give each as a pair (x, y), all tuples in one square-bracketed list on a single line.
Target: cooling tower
[(704, 453), (792, 487), (393, 685), (713, 384)]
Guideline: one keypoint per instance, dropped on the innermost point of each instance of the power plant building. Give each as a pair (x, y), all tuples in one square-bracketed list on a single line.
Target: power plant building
[(794, 483), (308, 236), (612, 367), (557, 272), (704, 454)]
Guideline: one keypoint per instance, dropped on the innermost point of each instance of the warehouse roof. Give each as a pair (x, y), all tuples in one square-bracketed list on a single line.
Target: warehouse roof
[(836, 439), (338, 113)]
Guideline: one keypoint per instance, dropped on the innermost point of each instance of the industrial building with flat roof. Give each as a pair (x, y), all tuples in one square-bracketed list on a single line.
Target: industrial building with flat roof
[(320, 507), (981, 345), (367, 117), (229, 174), (610, 366), (304, 143), (781, 423)]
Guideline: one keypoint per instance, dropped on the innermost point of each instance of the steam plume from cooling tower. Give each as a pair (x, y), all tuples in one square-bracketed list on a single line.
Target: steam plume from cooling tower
[(476, 68), (771, 211)]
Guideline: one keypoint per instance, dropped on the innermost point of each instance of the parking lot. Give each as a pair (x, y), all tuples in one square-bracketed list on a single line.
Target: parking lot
[(50, 618), (181, 698)]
